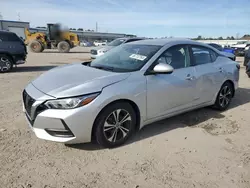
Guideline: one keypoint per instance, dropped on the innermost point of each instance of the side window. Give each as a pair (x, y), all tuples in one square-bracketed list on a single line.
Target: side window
[(9, 37), (176, 56), (203, 55), (3, 37)]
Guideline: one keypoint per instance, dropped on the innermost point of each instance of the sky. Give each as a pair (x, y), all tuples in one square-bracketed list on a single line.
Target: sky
[(145, 18)]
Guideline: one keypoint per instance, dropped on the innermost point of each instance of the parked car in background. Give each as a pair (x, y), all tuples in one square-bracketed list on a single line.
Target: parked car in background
[(248, 69), (247, 47), (98, 51), (12, 51), (240, 47), (247, 57), (127, 88), (228, 52), (100, 43), (85, 43)]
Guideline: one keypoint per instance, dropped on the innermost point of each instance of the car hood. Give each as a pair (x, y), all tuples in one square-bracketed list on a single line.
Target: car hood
[(75, 79)]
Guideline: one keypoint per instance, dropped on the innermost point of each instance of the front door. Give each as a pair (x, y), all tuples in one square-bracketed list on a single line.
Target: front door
[(167, 93)]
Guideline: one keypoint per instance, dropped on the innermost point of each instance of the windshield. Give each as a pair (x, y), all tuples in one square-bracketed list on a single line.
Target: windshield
[(116, 42), (126, 58)]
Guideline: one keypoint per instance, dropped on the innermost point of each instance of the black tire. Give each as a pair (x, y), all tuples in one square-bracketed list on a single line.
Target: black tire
[(247, 71), (63, 47), (6, 63), (224, 96), (36, 46), (109, 138)]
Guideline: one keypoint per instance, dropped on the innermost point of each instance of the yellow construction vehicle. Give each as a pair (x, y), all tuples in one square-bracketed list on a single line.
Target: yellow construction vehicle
[(53, 38)]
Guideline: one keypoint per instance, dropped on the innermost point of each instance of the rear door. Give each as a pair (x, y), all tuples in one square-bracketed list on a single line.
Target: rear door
[(209, 73), (11, 43)]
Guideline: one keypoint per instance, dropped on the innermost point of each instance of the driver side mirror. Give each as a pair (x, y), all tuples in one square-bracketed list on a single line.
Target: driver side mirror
[(162, 68)]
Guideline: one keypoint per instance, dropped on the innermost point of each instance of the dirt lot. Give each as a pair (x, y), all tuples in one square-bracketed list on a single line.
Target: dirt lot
[(203, 148)]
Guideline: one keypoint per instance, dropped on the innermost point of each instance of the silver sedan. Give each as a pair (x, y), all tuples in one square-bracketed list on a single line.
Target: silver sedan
[(127, 88)]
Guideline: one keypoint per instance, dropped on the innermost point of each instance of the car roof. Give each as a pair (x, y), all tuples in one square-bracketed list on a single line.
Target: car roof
[(127, 38), (170, 41)]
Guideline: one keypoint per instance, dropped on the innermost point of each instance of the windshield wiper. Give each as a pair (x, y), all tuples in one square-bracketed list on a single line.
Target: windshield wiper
[(104, 68)]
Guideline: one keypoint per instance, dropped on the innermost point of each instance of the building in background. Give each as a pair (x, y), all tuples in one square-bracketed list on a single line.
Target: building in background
[(14, 26), (18, 27)]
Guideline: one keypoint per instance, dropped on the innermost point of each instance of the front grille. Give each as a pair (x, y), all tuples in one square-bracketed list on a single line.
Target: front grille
[(28, 102), (94, 52)]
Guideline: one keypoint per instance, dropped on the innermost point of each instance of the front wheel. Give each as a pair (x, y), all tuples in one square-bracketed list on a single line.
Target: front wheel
[(36, 46), (115, 125), (224, 96), (6, 63)]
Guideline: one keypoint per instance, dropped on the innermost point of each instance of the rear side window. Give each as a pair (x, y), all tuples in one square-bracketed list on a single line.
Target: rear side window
[(203, 55), (9, 37)]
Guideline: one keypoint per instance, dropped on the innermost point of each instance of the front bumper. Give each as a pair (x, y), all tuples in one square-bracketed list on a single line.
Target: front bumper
[(239, 51), (20, 59), (66, 126)]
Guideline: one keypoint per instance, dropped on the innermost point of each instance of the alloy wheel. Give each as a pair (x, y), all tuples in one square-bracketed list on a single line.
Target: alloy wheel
[(225, 96), (5, 64), (117, 125)]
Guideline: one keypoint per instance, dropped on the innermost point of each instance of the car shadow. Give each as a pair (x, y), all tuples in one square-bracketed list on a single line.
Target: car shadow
[(189, 119), (32, 68)]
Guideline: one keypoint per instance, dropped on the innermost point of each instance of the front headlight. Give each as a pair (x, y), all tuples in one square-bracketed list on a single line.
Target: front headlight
[(70, 103)]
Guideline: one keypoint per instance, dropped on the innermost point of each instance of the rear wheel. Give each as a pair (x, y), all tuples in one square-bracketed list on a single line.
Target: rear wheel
[(63, 47), (6, 63), (224, 96), (36, 46), (248, 71), (115, 125)]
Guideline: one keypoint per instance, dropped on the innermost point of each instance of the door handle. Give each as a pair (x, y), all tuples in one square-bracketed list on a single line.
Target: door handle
[(221, 69), (189, 77)]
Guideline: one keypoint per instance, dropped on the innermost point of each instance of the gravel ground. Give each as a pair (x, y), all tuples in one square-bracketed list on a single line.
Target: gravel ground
[(203, 148)]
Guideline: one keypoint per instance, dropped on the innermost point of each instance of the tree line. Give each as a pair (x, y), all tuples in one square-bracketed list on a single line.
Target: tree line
[(210, 38), (246, 37)]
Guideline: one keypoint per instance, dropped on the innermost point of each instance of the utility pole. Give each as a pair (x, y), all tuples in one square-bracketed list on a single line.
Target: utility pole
[(18, 15), (1, 17), (96, 27), (237, 36)]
